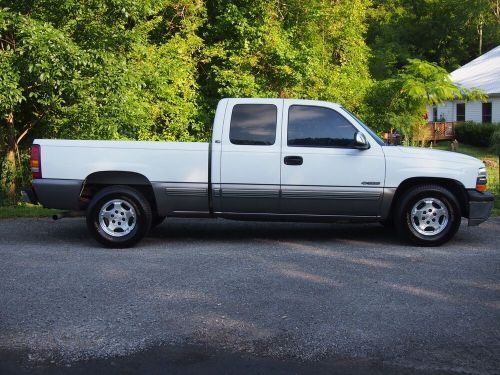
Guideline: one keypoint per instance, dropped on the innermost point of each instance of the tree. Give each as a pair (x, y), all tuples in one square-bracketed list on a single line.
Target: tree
[(38, 67), (97, 70), (446, 32), (286, 48), (416, 86)]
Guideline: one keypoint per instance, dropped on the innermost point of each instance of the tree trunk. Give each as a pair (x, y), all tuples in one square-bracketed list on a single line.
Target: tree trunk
[(9, 168)]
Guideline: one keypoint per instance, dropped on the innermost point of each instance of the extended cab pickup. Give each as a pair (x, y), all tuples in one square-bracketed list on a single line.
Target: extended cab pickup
[(268, 159)]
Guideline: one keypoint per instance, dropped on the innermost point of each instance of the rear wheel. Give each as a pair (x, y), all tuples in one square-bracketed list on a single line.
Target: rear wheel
[(428, 215), (119, 216)]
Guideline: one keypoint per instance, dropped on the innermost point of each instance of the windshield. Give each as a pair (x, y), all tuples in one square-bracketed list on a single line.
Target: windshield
[(371, 132)]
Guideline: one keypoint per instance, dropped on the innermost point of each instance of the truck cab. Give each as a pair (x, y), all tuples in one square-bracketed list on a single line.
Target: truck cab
[(294, 158)]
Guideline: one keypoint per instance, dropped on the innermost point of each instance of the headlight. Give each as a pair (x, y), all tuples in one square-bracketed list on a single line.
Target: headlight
[(481, 179)]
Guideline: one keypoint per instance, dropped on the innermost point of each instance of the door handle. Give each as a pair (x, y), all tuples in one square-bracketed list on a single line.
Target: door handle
[(293, 160)]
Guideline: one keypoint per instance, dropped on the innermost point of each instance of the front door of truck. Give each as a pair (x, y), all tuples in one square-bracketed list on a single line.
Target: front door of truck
[(322, 173), (250, 156)]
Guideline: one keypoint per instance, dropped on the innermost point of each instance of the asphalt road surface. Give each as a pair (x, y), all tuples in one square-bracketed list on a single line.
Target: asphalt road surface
[(215, 296)]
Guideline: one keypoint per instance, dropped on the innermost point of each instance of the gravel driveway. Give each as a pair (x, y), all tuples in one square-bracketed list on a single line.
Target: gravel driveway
[(293, 296)]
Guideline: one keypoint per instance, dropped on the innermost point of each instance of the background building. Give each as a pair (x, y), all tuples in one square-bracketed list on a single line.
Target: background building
[(482, 73)]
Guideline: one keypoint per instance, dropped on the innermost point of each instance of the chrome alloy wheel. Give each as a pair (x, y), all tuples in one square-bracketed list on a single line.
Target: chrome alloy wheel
[(429, 216), (117, 218)]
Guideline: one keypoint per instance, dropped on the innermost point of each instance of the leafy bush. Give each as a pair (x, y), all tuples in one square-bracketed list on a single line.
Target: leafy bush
[(475, 134), (21, 176), (495, 140)]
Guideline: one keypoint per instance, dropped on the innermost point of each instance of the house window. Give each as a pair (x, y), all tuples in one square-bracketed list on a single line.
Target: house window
[(486, 112), (434, 114), (460, 111)]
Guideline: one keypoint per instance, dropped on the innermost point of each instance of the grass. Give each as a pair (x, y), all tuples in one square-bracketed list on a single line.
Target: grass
[(485, 154), (25, 210)]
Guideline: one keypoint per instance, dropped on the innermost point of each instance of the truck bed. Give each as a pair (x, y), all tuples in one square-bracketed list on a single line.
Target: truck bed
[(181, 162), (176, 171)]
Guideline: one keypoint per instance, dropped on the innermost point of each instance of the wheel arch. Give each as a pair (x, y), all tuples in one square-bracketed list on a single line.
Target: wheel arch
[(455, 187), (96, 181)]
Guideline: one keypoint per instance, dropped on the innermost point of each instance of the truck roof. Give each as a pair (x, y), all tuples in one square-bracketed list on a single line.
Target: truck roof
[(295, 101)]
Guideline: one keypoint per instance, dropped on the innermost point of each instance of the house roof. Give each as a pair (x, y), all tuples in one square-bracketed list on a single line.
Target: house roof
[(482, 73)]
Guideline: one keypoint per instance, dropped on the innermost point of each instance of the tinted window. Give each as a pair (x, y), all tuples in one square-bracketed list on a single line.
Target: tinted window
[(486, 112), (318, 127), (253, 124), (460, 111)]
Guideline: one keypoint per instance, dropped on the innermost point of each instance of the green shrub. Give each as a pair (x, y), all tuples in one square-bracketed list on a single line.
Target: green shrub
[(475, 134), (22, 176)]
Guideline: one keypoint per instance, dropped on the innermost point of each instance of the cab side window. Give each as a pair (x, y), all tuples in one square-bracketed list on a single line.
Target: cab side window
[(253, 124), (310, 126)]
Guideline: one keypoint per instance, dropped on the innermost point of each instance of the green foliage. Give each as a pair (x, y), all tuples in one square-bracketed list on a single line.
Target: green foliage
[(102, 69), (495, 140), (287, 48), (477, 134), (444, 32), (20, 176)]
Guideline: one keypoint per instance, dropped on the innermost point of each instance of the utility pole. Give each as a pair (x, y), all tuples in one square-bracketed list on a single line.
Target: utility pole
[(480, 32)]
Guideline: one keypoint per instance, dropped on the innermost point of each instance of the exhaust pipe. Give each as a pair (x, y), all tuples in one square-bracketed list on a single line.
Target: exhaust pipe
[(64, 214)]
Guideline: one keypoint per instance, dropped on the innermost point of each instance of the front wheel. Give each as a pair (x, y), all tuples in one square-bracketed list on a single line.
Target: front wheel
[(428, 215), (119, 216)]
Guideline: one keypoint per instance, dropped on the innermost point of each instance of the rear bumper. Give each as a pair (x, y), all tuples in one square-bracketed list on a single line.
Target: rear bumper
[(54, 193), (480, 206)]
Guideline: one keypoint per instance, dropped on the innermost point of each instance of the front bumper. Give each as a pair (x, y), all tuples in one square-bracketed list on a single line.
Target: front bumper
[(480, 206)]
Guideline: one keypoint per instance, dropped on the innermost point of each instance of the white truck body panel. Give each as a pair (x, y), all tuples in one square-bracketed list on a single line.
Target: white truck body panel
[(410, 162), (157, 161)]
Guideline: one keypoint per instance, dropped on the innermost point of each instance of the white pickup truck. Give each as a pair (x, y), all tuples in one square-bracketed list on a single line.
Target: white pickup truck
[(269, 159)]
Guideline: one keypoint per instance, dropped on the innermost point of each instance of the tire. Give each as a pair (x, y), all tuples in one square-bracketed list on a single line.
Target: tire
[(129, 205), (157, 220), (428, 215)]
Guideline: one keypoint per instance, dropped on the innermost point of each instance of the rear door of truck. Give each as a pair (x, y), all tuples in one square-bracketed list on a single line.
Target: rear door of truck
[(250, 157)]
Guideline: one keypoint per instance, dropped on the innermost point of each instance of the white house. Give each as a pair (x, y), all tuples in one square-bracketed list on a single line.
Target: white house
[(482, 73)]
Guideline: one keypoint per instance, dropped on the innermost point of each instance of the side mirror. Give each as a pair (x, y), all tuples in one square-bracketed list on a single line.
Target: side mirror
[(360, 141)]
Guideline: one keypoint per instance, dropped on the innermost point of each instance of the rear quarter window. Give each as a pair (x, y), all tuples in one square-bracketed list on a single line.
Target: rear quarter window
[(253, 124)]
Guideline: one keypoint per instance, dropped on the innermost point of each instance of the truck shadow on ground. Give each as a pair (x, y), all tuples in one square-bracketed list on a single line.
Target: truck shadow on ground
[(226, 230), (220, 230), (176, 230)]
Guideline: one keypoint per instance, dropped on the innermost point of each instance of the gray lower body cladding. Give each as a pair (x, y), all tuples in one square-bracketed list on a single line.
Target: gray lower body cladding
[(266, 201), (181, 199), (57, 193), (331, 200)]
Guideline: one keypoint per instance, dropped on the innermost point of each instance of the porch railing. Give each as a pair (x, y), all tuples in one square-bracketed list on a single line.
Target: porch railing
[(438, 131)]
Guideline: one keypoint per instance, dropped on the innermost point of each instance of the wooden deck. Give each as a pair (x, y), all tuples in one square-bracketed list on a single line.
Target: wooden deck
[(439, 131), (436, 131)]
